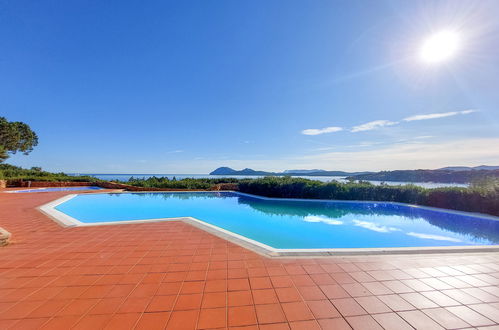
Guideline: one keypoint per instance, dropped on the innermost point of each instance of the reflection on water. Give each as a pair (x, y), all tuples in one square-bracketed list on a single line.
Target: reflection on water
[(434, 237), (329, 212), (374, 227), (295, 223), (326, 220), (477, 228), (179, 195), (126, 177)]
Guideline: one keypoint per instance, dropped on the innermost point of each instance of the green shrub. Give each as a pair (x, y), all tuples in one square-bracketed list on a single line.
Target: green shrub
[(482, 198), (10, 172), (188, 183)]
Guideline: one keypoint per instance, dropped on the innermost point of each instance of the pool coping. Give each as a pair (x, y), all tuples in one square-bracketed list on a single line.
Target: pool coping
[(65, 220)]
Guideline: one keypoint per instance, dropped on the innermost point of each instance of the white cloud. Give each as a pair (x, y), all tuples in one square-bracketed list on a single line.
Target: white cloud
[(317, 131), (434, 237), (374, 227), (434, 154), (438, 115), (326, 220), (427, 154), (373, 125)]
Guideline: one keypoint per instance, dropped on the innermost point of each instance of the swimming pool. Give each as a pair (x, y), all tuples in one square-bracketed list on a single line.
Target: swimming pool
[(282, 224), (36, 190)]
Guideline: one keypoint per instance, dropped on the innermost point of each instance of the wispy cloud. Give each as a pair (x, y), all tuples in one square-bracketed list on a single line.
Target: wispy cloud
[(364, 144), (433, 153), (373, 125), (434, 237), (317, 131), (374, 227), (326, 220), (429, 154), (376, 124), (438, 115), (175, 151)]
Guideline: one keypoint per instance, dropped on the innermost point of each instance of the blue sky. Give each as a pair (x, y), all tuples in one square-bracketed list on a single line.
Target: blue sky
[(187, 86)]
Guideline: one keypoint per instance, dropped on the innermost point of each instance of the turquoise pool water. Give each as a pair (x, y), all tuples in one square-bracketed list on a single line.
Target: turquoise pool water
[(295, 224)]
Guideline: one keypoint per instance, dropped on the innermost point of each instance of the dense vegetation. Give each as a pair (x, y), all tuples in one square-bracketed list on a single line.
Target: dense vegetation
[(10, 172), (15, 136), (164, 182), (480, 197), (450, 176)]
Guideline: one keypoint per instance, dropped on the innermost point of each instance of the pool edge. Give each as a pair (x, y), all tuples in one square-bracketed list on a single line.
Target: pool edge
[(431, 208), (65, 220)]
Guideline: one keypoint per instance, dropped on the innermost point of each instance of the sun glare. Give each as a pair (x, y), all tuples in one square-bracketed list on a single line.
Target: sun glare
[(440, 47)]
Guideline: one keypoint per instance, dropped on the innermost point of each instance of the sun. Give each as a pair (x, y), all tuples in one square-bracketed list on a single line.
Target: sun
[(440, 47)]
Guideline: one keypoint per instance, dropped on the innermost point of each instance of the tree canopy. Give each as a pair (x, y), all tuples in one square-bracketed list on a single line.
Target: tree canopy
[(15, 136)]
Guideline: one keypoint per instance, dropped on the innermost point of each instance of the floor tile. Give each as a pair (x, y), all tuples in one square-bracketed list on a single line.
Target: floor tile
[(270, 313), (265, 296), (419, 320), (188, 301), (372, 305), (123, 321), (323, 309), (183, 320), (153, 321), (214, 299), (470, 316), (363, 322), (212, 318), (336, 324), (391, 321), (348, 307), (241, 315), (445, 318), (297, 311), (305, 325), (161, 304)]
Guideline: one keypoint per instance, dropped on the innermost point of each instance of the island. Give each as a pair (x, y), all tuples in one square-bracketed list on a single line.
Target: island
[(315, 172), (439, 175), (455, 174)]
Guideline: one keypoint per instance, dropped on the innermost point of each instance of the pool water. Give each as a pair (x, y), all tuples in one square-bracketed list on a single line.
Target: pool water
[(295, 224), (36, 190)]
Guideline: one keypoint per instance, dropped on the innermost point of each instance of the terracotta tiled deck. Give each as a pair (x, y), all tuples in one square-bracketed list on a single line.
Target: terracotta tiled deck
[(174, 276)]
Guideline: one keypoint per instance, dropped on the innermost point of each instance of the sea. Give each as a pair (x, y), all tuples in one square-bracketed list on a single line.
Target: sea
[(126, 177)]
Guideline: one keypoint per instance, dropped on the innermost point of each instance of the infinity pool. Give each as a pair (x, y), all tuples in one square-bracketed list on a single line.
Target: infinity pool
[(295, 224)]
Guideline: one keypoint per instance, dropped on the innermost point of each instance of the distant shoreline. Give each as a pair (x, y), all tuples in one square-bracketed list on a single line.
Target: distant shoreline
[(460, 175), (126, 177)]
